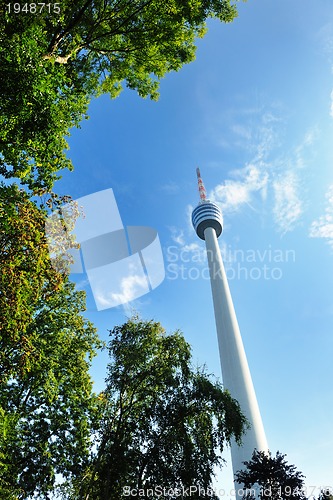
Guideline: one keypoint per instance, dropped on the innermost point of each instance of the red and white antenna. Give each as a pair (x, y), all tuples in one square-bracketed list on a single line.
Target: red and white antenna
[(202, 190)]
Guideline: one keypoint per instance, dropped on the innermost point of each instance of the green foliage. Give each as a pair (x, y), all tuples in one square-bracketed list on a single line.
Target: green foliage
[(40, 102), (51, 65), (46, 401), (163, 423), (26, 272), (275, 477)]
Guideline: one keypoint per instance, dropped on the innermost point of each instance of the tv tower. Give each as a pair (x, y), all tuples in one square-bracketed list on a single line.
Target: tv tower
[(207, 222)]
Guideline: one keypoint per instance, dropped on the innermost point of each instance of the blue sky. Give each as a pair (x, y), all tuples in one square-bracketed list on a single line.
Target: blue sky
[(255, 112)]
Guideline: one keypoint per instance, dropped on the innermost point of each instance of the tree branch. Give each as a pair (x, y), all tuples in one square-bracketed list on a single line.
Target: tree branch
[(57, 39)]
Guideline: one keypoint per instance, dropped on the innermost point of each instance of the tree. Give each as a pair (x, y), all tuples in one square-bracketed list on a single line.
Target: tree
[(276, 479), (53, 62), (164, 424), (326, 494), (27, 278), (47, 406)]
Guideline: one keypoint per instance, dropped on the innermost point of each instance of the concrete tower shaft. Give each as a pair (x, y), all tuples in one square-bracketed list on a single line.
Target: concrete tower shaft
[(207, 222)]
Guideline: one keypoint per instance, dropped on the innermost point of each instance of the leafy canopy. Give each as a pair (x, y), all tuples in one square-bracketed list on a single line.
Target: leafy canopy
[(47, 406), (163, 423), (277, 480), (51, 65)]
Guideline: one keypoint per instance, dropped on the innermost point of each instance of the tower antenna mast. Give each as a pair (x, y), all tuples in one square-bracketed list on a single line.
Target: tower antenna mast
[(202, 190)]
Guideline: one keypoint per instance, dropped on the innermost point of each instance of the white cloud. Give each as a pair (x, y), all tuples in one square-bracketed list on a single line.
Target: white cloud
[(191, 247), (234, 193), (301, 152), (310, 137), (331, 109), (177, 235), (323, 226), (271, 176), (131, 287), (185, 252), (287, 204), (194, 252), (263, 174)]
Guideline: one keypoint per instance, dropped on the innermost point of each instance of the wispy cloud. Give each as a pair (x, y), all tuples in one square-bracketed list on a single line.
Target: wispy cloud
[(177, 235), (269, 172), (323, 226), (184, 253), (196, 252), (255, 131), (301, 153), (271, 179), (131, 287), (288, 206), (232, 194)]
